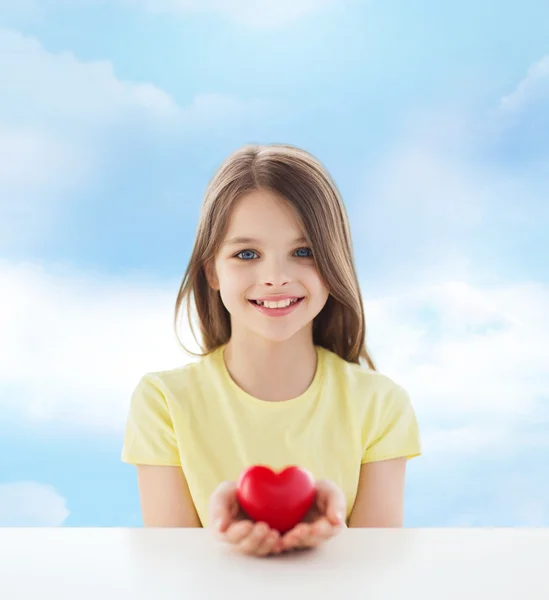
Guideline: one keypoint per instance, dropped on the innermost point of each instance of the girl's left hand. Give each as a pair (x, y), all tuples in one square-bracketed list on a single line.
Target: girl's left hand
[(325, 519)]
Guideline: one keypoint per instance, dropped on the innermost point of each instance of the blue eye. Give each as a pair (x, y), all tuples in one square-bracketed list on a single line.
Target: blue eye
[(248, 252), (251, 254)]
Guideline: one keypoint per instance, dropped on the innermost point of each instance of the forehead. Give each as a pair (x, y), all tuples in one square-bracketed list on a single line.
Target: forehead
[(263, 214)]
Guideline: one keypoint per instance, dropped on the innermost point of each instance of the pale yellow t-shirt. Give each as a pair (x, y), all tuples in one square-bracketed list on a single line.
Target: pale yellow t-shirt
[(198, 418)]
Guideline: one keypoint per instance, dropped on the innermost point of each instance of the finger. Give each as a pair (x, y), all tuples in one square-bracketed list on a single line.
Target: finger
[(321, 531), (223, 505), (295, 538), (332, 502), (250, 543), (269, 544), (238, 531), (296, 533), (307, 536)]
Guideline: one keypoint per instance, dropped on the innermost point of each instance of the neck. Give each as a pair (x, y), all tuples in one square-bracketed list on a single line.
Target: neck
[(271, 371)]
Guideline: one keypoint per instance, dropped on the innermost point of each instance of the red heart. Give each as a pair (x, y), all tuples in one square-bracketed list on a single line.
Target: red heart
[(279, 499)]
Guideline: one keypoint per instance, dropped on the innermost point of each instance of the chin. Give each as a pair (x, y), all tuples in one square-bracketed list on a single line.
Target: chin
[(276, 339), (280, 334)]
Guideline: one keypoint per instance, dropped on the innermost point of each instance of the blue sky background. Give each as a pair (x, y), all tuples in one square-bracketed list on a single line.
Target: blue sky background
[(433, 119)]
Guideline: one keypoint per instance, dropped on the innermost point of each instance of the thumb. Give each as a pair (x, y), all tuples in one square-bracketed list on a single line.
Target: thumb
[(333, 501), (222, 505)]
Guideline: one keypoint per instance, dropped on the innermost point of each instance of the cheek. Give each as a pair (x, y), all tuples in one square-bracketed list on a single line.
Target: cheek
[(321, 295), (234, 282), (316, 285)]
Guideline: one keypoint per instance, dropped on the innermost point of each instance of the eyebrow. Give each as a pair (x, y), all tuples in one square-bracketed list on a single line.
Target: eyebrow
[(249, 240)]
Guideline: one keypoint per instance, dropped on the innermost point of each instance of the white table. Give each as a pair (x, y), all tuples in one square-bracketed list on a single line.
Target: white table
[(170, 564)]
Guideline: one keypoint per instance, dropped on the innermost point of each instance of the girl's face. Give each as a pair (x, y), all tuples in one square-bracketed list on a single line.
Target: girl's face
[(264, 257)]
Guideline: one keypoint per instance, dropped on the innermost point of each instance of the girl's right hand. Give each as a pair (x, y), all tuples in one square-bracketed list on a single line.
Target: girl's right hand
[(232, 526)]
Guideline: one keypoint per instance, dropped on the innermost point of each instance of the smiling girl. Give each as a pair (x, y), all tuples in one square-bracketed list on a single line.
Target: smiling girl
[(285, 377)]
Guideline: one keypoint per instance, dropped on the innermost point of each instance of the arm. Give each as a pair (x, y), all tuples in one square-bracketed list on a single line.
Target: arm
[(380, 496), (165, 497)]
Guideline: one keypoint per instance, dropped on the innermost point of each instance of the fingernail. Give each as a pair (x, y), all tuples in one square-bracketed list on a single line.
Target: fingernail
[(218, 523)]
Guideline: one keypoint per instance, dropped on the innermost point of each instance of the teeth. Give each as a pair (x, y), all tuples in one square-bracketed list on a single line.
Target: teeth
[(280, 304)]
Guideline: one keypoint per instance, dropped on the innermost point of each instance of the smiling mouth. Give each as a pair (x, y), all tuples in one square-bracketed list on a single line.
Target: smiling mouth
[(274, 304)]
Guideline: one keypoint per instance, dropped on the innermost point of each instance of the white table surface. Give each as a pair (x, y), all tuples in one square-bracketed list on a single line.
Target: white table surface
[(375, 564)]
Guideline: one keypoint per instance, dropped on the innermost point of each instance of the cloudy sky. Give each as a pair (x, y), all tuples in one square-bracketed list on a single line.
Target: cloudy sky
[(434, 121)]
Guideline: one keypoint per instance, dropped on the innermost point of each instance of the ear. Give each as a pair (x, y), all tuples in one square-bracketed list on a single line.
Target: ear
[(211, 276)]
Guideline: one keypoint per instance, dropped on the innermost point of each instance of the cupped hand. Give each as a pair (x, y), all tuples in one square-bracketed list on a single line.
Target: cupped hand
[(325, 519), (231, 525)]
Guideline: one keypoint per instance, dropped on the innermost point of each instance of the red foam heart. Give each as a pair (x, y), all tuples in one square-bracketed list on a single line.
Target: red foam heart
[(279, 499)]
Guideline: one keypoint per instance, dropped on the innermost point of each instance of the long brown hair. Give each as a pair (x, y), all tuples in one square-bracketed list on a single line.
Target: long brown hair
[(300, 179)]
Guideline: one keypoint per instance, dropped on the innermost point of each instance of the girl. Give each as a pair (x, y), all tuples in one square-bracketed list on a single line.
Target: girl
[(285, 377)]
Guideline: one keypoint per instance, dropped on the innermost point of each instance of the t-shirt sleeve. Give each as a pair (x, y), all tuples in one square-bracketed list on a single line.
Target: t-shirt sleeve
[(150, 437), (395, 430)]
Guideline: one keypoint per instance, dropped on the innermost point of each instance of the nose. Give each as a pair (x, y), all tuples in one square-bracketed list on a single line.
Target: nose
[(275, 273)]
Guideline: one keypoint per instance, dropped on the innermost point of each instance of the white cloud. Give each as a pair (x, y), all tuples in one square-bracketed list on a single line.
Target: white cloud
[(55, 114), (467, 351), (260, 14), (467, 341), (444, 201), (473, 359), (511, 498), (417, 183), (57, 96), (534, 86), (75, 345), (37, 168), (58, 88), (521, 121), (456, 196), (59, 117), (26, 151), (31, 504)]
